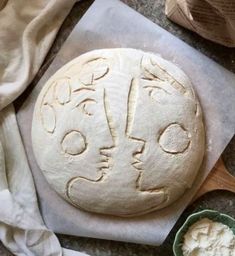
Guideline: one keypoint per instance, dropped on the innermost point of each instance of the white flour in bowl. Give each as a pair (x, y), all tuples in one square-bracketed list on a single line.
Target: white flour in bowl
[(209, 238)]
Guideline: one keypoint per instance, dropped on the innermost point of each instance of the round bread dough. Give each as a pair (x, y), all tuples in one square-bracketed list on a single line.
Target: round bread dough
[(118, 131)]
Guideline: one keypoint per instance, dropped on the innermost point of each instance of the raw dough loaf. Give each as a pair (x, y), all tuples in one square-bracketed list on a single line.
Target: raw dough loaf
[(118, 131)]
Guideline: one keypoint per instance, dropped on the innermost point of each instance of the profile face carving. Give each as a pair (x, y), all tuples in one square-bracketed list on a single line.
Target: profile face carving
[(118, 131)]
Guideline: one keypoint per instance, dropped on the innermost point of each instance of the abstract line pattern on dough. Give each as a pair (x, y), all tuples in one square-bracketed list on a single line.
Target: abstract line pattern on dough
[(105, 152), (124, 130), (137, 163)]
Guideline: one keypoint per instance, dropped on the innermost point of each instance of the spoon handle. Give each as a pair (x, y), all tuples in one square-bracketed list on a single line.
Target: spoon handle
[(218, 179)]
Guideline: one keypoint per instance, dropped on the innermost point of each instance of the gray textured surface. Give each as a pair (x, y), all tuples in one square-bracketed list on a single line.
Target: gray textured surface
[(218, 200)]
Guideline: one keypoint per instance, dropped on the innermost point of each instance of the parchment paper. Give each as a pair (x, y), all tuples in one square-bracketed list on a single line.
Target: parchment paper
[(110, 23)]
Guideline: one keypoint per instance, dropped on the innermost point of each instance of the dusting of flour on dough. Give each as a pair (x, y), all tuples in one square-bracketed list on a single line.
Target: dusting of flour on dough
[(119, 132)]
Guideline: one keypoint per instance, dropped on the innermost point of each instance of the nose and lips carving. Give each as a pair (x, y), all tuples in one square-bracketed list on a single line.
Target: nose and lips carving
[(105, 163), (136, 156), (137, 162), (106, 153), (106, 157)]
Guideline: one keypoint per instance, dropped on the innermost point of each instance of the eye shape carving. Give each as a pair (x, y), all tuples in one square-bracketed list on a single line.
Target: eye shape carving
[(87, 106), (174, 139), (157, 93), (74, 143)]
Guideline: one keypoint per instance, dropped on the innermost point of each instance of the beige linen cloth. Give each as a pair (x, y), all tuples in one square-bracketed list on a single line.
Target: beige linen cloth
[(212, 19), (27, 30)]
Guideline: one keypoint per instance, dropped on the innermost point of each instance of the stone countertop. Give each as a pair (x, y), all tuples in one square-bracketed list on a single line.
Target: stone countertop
[(225, 201)]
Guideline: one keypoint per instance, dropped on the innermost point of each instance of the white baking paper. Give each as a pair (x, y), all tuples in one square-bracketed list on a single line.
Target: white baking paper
[(110, 23)]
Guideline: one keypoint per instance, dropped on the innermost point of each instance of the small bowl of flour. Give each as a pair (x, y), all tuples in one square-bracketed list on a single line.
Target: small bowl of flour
[(206, 233)]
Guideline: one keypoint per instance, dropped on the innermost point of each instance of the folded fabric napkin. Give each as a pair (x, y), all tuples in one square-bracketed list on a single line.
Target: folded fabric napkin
[(28, 29), (213, 20)]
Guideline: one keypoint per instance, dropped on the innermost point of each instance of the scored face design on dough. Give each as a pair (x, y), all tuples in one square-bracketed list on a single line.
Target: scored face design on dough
[(118, 132)]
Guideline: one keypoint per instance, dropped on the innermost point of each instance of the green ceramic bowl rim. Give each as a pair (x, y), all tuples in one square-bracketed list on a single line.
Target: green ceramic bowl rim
[(210, 214)]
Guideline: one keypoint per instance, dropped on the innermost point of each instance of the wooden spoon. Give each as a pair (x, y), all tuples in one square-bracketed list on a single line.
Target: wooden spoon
[(218, 179)]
